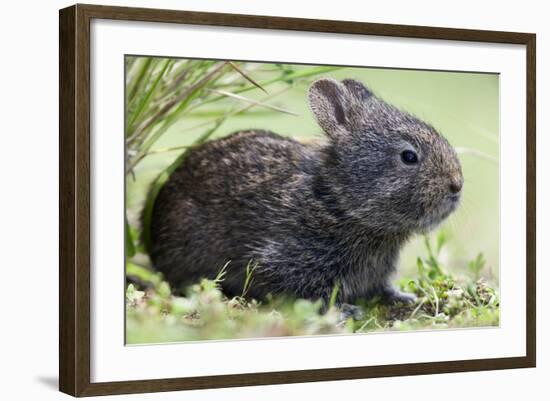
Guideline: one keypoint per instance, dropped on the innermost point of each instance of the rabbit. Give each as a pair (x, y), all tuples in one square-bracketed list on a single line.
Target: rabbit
[(306, 218)]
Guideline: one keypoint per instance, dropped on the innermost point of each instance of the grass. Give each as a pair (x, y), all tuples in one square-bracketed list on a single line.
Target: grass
[(163, 91), (173, 105), (155, 315)]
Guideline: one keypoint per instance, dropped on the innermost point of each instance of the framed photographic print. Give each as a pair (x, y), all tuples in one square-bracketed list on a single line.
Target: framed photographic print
[(250, 200)]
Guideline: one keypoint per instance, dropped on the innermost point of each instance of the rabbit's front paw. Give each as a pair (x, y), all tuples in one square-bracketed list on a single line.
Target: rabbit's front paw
[(391, 296), (353, 311)]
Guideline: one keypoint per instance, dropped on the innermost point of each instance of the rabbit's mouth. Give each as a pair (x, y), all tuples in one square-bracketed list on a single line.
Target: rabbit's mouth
[(446, 207), (455, 198)]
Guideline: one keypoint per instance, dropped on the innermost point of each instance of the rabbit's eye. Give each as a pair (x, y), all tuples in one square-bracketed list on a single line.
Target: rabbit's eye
[(409, 157)]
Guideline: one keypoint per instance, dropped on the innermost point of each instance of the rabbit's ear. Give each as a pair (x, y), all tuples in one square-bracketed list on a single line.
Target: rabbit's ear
[(357, 89), (327, 99)]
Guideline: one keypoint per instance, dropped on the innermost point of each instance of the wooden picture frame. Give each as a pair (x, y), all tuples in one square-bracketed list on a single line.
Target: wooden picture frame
[(75, 206)]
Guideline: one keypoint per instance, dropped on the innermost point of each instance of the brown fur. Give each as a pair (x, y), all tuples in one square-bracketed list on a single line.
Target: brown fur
[(307, 216)]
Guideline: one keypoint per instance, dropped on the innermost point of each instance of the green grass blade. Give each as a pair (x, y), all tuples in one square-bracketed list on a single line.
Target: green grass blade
[(135, 85), (288, 78), (147, 98), (334, 295), (247, 76), (130, 248)]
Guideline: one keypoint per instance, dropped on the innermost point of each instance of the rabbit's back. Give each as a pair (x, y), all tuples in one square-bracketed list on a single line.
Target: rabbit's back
[(223, 201)]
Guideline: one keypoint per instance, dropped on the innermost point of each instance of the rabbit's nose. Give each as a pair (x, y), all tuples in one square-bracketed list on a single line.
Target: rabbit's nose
[(455, 186)]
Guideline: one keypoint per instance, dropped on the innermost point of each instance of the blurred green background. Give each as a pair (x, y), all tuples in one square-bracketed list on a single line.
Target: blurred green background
[(464, 107)]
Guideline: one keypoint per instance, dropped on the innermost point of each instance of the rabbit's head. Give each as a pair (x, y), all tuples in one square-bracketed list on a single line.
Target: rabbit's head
[(391, 171)]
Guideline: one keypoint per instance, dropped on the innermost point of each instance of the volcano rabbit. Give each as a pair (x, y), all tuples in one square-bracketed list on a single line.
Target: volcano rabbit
[(308, 217)]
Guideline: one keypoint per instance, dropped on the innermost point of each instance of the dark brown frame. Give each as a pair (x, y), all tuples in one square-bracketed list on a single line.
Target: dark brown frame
[(74, 202)]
